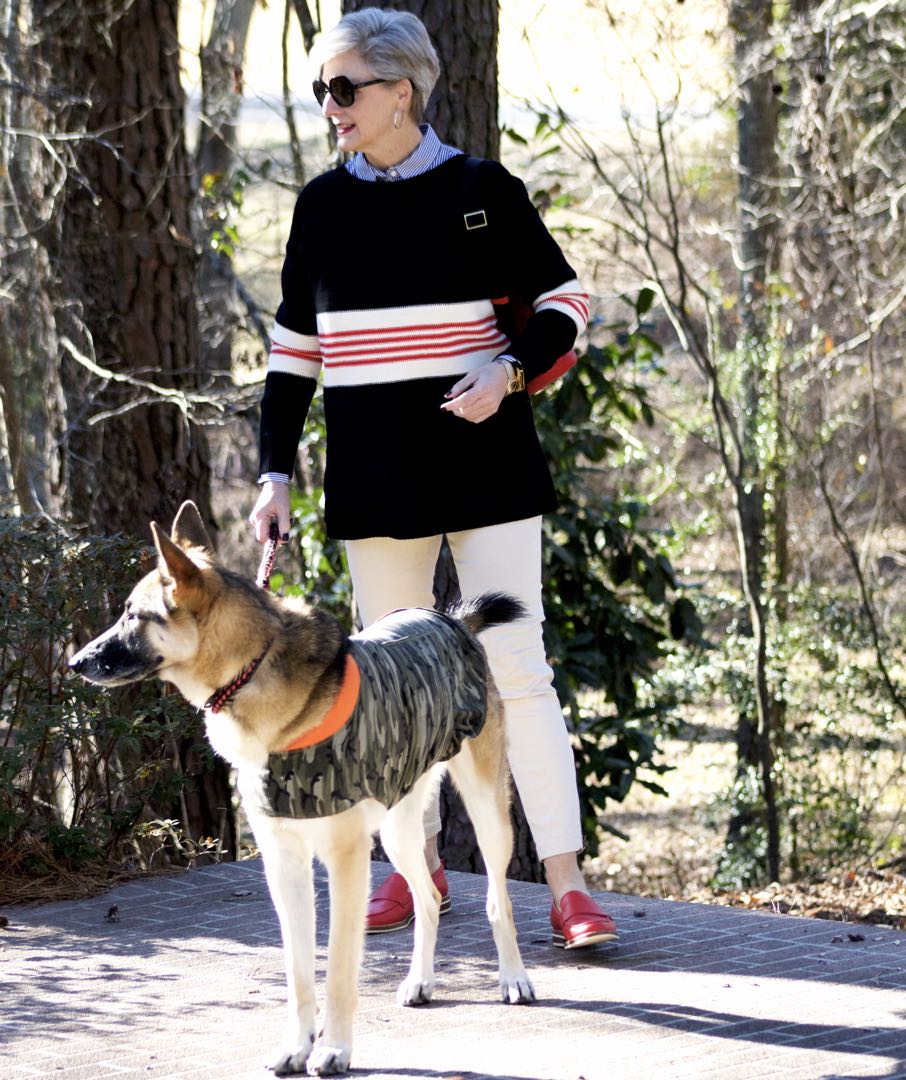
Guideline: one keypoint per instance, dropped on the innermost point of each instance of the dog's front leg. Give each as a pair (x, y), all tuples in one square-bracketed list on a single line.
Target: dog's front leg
[(346, 856), (287, 864)]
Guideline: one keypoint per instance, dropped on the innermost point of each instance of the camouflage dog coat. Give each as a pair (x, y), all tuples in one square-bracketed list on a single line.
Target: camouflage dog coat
[(423, 691)]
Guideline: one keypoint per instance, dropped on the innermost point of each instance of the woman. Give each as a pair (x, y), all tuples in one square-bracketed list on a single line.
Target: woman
[(387, 291)]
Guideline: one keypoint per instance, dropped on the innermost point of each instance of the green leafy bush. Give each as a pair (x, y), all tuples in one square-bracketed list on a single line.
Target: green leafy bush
[(839, 747), (79, 766)]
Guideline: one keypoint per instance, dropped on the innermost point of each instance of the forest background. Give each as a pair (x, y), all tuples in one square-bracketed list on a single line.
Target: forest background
[(725, 577)]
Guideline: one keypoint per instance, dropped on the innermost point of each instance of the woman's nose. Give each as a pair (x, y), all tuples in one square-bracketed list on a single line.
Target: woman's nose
[(329, 107)]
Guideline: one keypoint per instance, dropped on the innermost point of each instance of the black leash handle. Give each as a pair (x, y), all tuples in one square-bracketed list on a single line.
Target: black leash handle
[(269, 557)]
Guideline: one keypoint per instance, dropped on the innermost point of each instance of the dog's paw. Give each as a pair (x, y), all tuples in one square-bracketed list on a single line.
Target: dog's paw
[(517, 990), (328, 1060), (292, 1062), (414, 991)]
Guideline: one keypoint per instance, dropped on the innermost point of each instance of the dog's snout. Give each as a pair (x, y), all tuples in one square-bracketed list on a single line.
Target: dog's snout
[(114, 659)]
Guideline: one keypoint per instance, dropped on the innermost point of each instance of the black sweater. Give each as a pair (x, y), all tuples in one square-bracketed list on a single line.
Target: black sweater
[(387, 291)]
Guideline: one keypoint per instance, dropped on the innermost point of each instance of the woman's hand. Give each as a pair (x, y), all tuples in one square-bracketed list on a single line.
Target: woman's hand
[(478, 395), (273, 502)]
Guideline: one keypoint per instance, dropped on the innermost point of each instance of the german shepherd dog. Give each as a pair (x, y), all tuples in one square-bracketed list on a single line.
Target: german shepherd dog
[(274, 679)]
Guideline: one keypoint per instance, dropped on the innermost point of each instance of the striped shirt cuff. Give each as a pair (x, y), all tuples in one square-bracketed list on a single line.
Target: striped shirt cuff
[(569, 299), (273, 478)]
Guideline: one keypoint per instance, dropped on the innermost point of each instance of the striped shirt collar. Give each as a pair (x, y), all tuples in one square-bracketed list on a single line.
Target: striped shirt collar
[(429, 153)]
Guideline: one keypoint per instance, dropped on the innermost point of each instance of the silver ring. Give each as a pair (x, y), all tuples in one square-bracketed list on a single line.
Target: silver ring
[(460, 412)]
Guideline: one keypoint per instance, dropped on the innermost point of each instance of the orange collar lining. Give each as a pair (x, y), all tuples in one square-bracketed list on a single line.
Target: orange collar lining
[(338, 713)]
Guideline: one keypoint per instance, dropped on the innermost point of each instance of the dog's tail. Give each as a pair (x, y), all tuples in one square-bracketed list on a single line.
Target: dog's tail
[(489, 609)]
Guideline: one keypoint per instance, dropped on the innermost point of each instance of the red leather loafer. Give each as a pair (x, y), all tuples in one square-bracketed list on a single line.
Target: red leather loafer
[(579, 922), (390, 906)]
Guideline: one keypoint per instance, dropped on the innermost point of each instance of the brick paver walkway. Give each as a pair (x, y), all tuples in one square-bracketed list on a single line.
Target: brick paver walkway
[(189, 983)]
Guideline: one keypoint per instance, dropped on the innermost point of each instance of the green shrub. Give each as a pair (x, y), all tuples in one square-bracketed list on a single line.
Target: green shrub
[(79, 766), (839, 745)]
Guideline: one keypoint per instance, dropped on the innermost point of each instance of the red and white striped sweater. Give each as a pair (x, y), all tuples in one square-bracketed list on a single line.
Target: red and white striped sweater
[(387, 298)]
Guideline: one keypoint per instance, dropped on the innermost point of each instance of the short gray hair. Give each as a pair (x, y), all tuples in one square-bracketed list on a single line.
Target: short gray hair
[(394, 44)]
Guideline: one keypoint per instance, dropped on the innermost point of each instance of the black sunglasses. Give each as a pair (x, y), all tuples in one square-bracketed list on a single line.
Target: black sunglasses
[(341, 89)]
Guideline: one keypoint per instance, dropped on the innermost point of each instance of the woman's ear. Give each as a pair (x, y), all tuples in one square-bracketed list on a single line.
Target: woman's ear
[(404, 95)]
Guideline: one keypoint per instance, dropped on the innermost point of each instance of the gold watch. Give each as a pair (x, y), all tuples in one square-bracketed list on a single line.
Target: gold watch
[(515, 374)]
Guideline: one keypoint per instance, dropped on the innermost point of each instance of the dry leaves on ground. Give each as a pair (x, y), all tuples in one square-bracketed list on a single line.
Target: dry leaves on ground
[(877, 897)]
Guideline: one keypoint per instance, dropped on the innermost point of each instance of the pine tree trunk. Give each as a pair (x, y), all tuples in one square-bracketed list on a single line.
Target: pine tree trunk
[(127, 262)]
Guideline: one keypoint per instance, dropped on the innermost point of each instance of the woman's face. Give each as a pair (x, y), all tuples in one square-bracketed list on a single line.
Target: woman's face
[(366, 124)]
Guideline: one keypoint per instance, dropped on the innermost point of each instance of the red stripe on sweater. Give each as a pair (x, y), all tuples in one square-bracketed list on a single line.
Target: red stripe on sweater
[(302, 354), (573, 300), (422, 355), (426, 345), (424, 328)]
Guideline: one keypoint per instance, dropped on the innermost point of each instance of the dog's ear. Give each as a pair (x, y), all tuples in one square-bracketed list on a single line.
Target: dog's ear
[(174, 563), (188, 529)]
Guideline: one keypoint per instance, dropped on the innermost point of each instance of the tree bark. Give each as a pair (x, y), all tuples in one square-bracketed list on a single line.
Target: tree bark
[(756, 121), (222, 62), (30, 176), (757, 171), (126, 262)]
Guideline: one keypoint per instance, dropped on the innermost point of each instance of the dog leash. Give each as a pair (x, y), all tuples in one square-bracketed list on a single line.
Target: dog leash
[(269, 557), (224, 695)]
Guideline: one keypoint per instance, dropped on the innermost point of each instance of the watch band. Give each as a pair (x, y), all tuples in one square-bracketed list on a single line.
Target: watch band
[(515, 373)]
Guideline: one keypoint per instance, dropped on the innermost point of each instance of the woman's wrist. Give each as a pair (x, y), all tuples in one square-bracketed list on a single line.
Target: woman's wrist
[(514, 373)]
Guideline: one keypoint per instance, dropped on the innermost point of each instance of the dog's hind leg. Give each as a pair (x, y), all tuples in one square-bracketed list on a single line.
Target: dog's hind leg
[(403, 838), (479, 773), (344, 846), (287, 865)]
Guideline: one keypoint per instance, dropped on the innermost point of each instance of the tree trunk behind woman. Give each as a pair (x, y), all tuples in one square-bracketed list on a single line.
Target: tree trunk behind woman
[(463, 112)]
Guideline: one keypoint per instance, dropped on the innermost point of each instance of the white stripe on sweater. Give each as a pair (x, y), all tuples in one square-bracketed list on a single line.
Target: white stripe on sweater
[(294, 354), (569, 299)]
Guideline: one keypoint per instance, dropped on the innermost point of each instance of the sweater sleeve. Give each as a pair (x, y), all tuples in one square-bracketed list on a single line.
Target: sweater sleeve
[(294, 362), (535, 268)]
